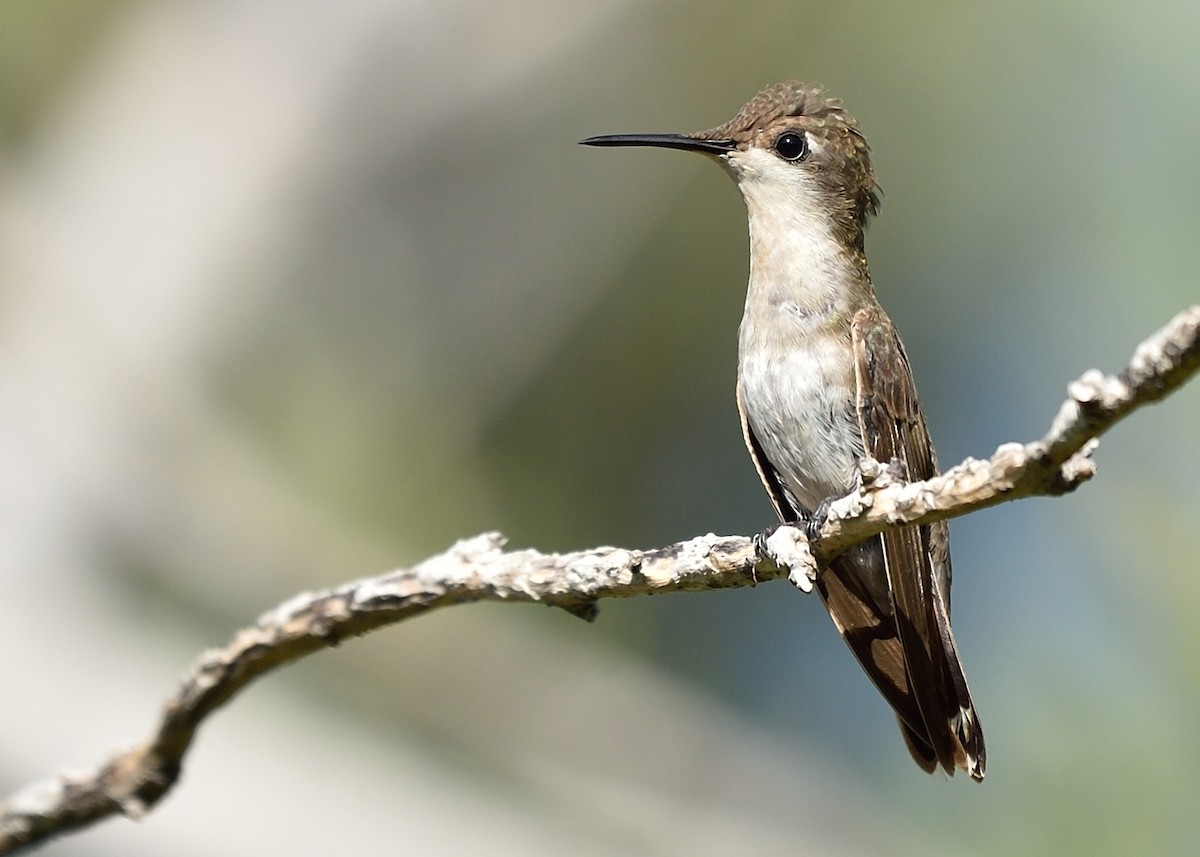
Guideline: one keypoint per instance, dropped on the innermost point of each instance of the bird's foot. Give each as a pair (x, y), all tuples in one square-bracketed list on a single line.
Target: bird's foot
[(815, 519), (786, 545)]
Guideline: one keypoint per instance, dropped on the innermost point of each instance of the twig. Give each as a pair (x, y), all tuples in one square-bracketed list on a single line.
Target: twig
[(478, 569)]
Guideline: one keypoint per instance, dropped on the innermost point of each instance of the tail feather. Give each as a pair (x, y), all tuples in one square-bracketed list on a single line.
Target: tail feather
[(920, 677)]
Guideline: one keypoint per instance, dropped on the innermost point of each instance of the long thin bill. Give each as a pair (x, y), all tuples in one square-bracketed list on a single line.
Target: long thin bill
[(663, 141)]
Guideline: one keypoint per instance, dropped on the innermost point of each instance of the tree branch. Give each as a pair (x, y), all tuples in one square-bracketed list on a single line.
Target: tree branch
[(479, 568)]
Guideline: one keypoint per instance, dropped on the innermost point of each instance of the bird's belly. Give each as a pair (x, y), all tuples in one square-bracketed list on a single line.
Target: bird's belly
[(800, 406)]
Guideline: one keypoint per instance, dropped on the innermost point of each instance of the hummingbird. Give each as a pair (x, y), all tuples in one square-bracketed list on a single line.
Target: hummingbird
[(823, 381)]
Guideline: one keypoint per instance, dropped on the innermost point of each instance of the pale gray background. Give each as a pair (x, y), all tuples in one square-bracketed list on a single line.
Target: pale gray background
[(294, 292)]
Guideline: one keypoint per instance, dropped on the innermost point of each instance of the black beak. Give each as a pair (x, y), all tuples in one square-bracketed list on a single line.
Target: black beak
[(664, 141)]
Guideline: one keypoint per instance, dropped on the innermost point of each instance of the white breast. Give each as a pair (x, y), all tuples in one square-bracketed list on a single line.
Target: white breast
[(800, 405)]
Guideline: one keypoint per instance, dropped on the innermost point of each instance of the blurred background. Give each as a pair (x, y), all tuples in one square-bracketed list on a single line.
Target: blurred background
[(296, 292)]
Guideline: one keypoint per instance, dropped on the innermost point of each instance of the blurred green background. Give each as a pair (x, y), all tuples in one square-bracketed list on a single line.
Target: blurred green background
[(292, 293)]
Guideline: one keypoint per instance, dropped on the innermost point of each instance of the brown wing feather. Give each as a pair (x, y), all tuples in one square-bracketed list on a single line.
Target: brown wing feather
[(894, 431)]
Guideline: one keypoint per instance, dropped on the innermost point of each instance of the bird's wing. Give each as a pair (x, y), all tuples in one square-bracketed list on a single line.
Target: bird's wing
[(917, 558)]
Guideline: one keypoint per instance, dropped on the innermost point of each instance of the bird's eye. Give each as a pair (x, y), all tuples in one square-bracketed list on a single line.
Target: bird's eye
[(792, 146)]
